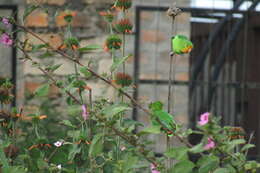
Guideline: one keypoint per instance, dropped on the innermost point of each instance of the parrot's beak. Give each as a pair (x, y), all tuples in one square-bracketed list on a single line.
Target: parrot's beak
[(187, 49)]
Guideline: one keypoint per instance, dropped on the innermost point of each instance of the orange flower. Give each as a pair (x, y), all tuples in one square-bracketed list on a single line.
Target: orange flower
[(41, 117)]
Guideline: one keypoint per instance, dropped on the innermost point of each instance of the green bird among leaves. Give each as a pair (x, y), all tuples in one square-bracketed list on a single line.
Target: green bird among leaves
[(181, 45), (165, 118)]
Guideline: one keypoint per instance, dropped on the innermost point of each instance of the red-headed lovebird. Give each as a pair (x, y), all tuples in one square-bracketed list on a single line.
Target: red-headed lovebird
[(181, 45)]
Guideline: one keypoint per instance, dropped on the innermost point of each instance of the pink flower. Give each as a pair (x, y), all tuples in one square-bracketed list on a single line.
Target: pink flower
[(204, 119), (153, 169), (211, 144), (85, 113), (123, 148), (6, 22), (6, 40)]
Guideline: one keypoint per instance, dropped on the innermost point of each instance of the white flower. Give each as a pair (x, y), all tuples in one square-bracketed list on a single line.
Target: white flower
[(58, 143), (59, 166)]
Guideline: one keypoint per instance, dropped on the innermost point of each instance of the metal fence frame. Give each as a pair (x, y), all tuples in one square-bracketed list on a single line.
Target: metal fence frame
[(195, 12)]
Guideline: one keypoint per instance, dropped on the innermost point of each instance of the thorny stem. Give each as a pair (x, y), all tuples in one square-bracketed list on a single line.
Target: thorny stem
[(134, 102)]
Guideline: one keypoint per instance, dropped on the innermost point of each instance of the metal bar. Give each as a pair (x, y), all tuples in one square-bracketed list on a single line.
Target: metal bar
[(201, 59), (11, 7), (14, 57), (136, 58), (236, 85), (224, 51), (198, 10)]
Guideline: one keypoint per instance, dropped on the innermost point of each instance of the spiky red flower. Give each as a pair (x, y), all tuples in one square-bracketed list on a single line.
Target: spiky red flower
[(112, 42), (123, 4), (108, 15), (123, 79), (124, 26)]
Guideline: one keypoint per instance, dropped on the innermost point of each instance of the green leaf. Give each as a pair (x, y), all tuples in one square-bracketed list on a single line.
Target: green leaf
[(68, 123), (231, 145), (46, 54), (29, 10), (151, 130), (208, 163), (89, 48), (129, 162), (178, 153), (53, 68), (85, 72), (37, 47), (184, 166), (3, 159), (197, 148), (96, 146), (247, 146), (73, 151), (112, 110), (222, 170), (117, 62), (42, 90)]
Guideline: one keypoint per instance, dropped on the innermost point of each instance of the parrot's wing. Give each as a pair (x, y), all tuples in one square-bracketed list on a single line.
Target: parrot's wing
[(165, 118)]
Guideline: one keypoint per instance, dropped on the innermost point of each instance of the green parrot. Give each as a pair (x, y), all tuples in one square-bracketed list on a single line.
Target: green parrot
[(181, 44), (165, 118)]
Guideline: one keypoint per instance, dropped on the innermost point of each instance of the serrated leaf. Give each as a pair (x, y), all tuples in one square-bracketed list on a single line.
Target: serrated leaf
[(45, 55), (222, 170), (29, 10), (53, 68), (117, 62), (208, 163), (197, 148), (96, 145), (85, 72), (178, 153), (234, 143), (116, 109), (89, 48), (247, 146), (184, 166), (3, 159), (37, 47), (68, 123), (151, 130), (73, 151), (42, 90)]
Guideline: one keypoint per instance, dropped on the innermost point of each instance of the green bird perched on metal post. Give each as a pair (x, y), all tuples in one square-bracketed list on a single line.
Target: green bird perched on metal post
[(181, 45)]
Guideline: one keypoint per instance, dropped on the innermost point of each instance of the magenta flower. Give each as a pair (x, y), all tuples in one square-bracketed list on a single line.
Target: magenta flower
[(6, 40), (153, 169), (204, 119), (211, 144), (6, 22), (85, 113)]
